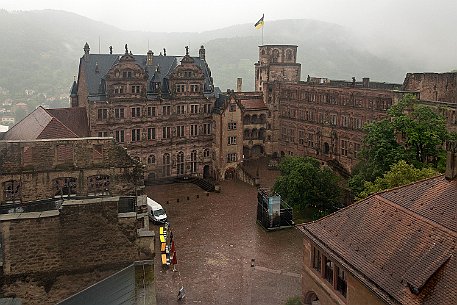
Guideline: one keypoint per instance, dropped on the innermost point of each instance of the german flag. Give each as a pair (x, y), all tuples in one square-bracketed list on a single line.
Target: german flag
[(259, 24)]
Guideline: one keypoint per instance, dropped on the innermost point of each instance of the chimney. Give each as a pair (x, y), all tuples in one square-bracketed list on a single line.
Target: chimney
[(149, 58), (451, 160), (201, 53), (353, 81), (86, 51), (239, 84), (366, 82)]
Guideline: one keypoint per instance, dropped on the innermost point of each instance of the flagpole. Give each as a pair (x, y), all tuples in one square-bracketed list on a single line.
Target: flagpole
[(262, 35)]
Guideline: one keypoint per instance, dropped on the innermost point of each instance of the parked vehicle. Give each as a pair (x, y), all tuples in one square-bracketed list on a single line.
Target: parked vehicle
[(156, 212)]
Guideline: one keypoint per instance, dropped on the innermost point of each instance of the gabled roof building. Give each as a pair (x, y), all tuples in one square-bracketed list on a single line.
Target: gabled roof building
[(395, 247)]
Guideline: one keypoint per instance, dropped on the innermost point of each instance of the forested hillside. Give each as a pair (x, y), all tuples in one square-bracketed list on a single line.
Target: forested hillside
[(41, 50)]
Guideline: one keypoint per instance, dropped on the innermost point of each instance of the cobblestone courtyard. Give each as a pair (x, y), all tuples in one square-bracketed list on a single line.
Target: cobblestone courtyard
[(216, 236)]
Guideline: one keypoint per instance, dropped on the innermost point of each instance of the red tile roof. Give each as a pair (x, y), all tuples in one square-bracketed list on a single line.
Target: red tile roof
[(251, 104), (75, 118), (39, 124), (400, 243)]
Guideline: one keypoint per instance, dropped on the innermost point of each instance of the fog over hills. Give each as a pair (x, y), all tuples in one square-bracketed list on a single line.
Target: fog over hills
[(41, 50)]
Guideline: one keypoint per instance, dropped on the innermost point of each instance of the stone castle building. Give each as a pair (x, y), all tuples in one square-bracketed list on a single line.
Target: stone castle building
[(158, 107), (166, 111)]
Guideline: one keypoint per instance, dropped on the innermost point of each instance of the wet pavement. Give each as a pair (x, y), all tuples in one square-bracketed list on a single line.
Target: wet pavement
[(216, 237)]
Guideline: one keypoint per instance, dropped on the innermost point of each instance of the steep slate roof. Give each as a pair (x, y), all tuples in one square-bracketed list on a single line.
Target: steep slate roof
[(39, 124), (104, 62), (399, 243)]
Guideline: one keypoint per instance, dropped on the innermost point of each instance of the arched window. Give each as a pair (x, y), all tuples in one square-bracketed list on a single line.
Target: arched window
[(193, 161), (275, 55), (254, 119), (180, 163), (255, 134), (98, 185), (166, 165), (206, 153), (151, 159), (263, 118), (247, 119), (289, 55), (64, 187), (247, 134)]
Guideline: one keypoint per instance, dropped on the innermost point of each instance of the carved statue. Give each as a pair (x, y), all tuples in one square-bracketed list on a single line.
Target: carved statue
[(187, 50), (126, 49)]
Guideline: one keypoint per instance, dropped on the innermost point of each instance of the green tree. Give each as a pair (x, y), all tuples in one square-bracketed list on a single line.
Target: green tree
[(423, 130), (411, 132), (400, 173), (304, 183)]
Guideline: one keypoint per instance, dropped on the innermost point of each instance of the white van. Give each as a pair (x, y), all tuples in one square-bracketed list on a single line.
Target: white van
[(156, 212)]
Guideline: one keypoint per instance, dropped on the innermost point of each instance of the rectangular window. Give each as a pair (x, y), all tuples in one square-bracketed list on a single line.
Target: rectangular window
[(207, 128), (180, 88), (356, 150), (119, 113), (341, 282), (127, 74), (344, 147), (194, 130), (333, 119), (103, 134), (301, 137), (194, 88), (207, 108), (118, 89), (194, 108), (345, 121), (166, 133), (316, 259), (119, 134), (310, 140), (151, 133), (136, 135), (232, 126), (328, 270), (151, 111), (102, 114), (232, 157), (136, 89), (180, 109), (180, 131), (166, 110), (231, 141), (136, 112)]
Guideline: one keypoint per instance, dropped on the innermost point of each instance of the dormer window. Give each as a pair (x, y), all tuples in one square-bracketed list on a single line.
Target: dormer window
[(127, 74)]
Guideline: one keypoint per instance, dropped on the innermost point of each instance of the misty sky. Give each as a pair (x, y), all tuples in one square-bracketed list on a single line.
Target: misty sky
[(202, 15)]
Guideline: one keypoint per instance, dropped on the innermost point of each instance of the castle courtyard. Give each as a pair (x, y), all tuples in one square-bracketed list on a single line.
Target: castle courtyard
[(216, 238)]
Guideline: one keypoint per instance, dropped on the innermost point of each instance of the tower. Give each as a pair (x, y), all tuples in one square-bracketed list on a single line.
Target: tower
[(277, 63)]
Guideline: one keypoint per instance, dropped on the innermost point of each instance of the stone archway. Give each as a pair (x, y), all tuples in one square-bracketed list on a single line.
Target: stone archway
[(246, 152), (311, 298), (257, 151), (206, 172)]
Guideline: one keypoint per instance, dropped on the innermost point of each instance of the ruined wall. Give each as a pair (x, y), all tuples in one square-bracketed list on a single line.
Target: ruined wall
[(35, 166), (433, 86), (82, 235)]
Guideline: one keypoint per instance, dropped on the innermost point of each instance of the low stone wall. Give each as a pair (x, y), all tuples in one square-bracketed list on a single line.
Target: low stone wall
[(82, 235)]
